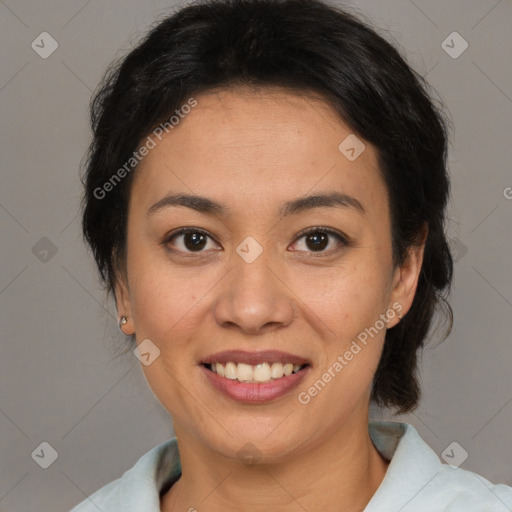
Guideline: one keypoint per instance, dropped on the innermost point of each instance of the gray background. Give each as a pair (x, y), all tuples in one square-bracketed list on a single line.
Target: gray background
[(61, 380)]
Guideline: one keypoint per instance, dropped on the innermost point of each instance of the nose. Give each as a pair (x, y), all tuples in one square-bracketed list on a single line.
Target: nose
[(254, 299)]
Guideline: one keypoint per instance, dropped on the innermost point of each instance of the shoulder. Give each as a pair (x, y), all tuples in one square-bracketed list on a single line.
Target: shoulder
[(417, 480), (462, 490), (140, 485), (106, 498)]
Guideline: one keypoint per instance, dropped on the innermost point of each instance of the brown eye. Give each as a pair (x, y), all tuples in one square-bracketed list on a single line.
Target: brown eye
[(317, 240), (189, 240), (194, 241)]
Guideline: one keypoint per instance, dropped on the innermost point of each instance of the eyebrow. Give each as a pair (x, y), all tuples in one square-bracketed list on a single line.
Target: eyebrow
[(204, 205)]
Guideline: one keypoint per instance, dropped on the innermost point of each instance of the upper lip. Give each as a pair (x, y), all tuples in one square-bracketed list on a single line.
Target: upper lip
[(253, 358)]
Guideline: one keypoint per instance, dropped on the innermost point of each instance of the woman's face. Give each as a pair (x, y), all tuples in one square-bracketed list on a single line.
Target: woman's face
[(246, 278)]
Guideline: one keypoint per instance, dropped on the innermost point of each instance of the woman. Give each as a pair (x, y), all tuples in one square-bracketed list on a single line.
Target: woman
[(265, 197)]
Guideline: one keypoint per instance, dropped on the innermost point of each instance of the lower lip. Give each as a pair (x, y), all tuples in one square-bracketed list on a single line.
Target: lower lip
[(258, 392)]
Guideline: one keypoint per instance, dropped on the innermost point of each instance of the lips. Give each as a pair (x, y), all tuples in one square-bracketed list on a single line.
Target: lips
[(254, 377)]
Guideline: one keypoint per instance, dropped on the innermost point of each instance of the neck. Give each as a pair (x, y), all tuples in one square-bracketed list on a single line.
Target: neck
[(339, 474)]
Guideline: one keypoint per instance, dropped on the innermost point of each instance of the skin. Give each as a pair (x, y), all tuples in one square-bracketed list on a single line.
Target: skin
[(253, 150)]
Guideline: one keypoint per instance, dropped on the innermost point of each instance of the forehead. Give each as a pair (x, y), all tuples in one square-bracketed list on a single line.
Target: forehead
[(259, 146)]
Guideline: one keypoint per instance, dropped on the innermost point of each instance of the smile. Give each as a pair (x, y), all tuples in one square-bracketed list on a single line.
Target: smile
[(254, 377), (263, 372)]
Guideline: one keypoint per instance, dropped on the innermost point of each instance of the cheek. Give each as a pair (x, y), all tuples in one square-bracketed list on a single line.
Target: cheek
[(166, 310), (349, 302), (347, 298), (163, 304), (161, 295), (351, 348)]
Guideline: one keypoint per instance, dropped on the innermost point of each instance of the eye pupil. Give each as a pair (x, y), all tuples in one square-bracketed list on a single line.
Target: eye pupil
[(320, 240), (194, 241)]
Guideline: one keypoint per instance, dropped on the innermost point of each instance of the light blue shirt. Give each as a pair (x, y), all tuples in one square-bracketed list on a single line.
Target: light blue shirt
[(416, 480)]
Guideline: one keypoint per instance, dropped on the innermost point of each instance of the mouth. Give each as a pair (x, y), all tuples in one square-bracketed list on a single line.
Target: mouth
[(259, 373), (254, 377)]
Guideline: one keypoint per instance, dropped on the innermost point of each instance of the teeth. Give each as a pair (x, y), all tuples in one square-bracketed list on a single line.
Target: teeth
[(230, 372), (244, 372), (276, 371), (219, 369), (263, 372)]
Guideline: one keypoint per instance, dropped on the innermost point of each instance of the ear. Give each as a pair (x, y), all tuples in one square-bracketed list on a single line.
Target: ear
[(123, 303), (406, 276)]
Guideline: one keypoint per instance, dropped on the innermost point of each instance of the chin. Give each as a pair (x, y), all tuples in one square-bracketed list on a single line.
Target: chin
[(251, 444)]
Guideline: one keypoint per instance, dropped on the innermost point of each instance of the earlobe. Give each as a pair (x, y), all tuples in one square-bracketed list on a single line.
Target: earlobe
[(123, 320), (123, 306)]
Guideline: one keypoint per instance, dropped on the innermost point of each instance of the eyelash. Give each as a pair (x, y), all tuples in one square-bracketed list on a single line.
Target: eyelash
[(317, 229)]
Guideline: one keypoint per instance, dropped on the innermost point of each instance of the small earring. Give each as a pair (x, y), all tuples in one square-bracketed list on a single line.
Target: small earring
[(122, 321)]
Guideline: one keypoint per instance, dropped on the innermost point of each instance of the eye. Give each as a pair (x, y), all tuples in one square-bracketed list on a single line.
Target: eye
[(317, 239), (189, 240), (195, 240)]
